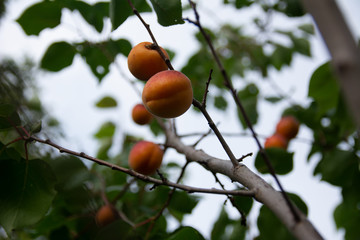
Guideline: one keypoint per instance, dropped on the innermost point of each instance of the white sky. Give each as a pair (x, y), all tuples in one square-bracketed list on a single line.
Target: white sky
[(70, 96)]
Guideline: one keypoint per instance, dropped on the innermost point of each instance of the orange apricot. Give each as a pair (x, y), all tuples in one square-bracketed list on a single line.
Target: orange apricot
[(168, 94), (288, 127), (144, 61), (277, 141), (140, 115), (106, 215), (145, 157)]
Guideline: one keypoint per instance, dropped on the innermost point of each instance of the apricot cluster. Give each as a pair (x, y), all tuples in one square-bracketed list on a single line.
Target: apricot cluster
[(167, 93), (286, 129), (145, 157)]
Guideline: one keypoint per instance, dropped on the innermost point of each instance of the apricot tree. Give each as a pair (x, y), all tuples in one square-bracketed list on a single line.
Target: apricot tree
[(52, 191)]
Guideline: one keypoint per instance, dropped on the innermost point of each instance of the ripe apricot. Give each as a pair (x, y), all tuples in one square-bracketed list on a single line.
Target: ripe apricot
[(288, 127), (105, 215), (144, 61), (140, 115), (145, 157), (276, 140), (168, 94)]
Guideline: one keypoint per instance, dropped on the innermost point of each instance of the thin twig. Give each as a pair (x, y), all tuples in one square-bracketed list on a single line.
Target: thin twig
[(201, 138), (206, 89), (217, 132), (242, 214), (142, 177)]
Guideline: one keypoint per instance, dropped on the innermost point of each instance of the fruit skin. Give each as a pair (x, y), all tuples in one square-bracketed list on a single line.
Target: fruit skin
[(140, 115), (145, 157), (168, 94), (288, 127), (144, 62), (106, 215), (277, 141)]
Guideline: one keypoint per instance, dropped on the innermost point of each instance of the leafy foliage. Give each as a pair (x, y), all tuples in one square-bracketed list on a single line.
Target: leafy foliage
[(51, 196), (168, 12), (281, 160)]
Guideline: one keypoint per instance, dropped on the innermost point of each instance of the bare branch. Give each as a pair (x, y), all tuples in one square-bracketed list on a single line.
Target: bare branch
[(142, 177)]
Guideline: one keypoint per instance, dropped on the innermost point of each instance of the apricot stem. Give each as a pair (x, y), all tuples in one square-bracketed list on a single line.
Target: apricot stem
[(147, 26)]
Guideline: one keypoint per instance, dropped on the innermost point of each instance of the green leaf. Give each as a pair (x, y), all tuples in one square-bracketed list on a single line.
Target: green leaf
[(281, 160), (186, 233), (45, 14), (347, 214), (273, 99), (281, 56), (96, 59), (219, 228), (292, 8), (249, 98), (243, 204), (106, 144), (182, 203), (220, 102), (120, 10), (93, 14), (36, 127), (156, 128), (243, 3), (8, 116), (301, 45), (106, 130), (106, 102), (119, 46), (270, 227), (26, 192), (59, 55), (324, 89), (100, 55), (308, 28), (70, 172), (168, 12), (338, 167)]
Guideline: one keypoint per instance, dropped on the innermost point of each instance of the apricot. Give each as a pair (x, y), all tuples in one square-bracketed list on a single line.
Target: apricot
[(140, 115), (277, 141), (106, 215), (288, 127), (168, 94), (145, 157), (144, 61)]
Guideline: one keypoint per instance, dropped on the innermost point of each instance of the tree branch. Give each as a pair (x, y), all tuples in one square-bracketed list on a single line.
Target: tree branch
[(263, 192), (229, 85), (157, 182), (342, 47)]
